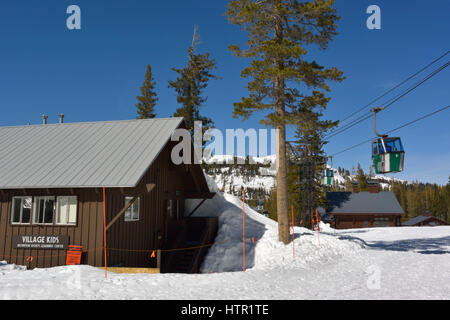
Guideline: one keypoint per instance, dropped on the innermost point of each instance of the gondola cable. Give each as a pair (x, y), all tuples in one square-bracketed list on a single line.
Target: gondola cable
[(388, 103), (395, 87), (392, 130)]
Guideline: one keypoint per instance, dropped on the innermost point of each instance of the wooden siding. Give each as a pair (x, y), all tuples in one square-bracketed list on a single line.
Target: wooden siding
[(129, 244), (351, 221), (85, 232)]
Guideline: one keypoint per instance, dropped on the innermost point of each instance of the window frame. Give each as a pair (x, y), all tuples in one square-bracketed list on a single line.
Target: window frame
[(56, 223), (21, 210), (130, 219), (35, 211)]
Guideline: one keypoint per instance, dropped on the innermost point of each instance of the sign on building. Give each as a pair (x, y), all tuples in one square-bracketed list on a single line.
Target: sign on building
[(40, 242)]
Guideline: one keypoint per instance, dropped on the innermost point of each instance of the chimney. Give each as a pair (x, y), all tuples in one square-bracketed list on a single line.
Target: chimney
[(44, 119), (373, 186), (355, 185), (61, 117)]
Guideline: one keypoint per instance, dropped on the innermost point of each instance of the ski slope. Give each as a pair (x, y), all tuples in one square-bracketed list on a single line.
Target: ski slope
[(377, 263)]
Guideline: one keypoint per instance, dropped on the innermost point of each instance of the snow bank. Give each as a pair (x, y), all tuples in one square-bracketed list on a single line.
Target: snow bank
[(5, 267), (263, 251)]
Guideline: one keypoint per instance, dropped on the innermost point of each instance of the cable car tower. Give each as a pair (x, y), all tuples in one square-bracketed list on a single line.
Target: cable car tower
[(388, 155), (308, 182)]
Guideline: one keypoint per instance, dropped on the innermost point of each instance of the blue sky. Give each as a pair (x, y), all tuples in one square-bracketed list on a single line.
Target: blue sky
[(95, 73)]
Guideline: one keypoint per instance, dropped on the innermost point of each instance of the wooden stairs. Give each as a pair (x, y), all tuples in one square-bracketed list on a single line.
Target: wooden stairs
[(194, 236)]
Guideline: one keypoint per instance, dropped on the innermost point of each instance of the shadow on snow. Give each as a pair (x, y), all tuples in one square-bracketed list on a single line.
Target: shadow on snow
[(419, 245)]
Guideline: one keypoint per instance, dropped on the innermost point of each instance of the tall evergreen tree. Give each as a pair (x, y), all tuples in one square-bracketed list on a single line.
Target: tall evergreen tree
[(189, 86), (362, 179), (148, 98), (279, 32)]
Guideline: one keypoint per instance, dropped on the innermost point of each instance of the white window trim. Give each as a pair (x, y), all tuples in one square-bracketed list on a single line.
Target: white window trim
[(35, 211), (21, 210), (138, 200), (57, 212)]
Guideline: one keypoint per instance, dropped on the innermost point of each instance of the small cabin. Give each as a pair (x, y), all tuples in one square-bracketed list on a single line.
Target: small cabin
[(364, 209), (425, 220), (64, 184)]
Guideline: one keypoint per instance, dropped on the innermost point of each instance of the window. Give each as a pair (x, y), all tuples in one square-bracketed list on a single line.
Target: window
[(375, 150), (381, 222), (21, 210), (66, 210), (174, 209), (44, 208), (132, 213)]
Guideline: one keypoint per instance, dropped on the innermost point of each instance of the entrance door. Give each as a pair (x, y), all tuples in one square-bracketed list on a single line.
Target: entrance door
[(174, 211)]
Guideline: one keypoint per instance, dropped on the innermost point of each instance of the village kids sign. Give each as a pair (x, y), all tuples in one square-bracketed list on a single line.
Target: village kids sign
[(40, 242)]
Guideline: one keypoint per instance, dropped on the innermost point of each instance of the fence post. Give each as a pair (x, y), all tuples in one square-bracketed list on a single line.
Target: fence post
[(158, 259)]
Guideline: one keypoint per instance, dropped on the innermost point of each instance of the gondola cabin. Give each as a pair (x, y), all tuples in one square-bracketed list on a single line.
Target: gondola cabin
[(388, 155), (327, 177)]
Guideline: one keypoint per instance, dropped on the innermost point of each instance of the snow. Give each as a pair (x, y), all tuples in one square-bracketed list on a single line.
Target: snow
[(224, 181), (234, 180), (375, 263), (224, 158)]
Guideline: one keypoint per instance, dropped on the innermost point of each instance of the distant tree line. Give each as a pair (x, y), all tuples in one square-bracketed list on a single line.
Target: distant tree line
[(417, 198)]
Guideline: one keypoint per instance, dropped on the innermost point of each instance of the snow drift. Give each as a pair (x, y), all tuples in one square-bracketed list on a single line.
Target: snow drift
[(262, 248)]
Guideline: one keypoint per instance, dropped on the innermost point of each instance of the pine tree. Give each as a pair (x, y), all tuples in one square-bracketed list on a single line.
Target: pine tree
[(362, 179), (189, 86), (148, 98), (279, 32)]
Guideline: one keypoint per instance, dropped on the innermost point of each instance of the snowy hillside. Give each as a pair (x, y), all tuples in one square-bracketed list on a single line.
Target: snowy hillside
[(231, 178), (377, 263)]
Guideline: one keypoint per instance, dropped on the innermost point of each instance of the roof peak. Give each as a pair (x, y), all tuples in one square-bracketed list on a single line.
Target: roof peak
[(88, 122)]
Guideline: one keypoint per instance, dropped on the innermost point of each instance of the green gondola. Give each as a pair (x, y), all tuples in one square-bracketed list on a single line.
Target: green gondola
[(327, 177), (388, 155)]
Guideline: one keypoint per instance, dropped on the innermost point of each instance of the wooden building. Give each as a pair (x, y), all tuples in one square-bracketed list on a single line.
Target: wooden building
[(51, 192), (425, 220), (364, 209)]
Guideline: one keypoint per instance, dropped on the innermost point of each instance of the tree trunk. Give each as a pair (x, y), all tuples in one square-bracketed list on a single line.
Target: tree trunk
[(282, 186), (282, 182)]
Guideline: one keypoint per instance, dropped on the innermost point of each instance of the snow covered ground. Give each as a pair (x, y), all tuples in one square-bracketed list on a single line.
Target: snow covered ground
[(378, 263)]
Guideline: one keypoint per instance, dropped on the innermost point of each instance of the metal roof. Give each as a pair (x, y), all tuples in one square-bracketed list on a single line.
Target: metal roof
[(416, 220), (81, 155), (383, 202)]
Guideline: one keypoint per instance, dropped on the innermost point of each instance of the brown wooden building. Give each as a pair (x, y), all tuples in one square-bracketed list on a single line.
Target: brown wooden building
[(366, 209), (51, 191), (425, 220)]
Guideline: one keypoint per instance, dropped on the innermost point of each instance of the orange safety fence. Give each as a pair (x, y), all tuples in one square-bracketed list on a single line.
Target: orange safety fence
[(30, 257)]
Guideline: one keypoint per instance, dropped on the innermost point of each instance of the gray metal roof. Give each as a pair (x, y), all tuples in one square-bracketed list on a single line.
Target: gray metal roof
[(382, 202), (81, 155), (416, 220)]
